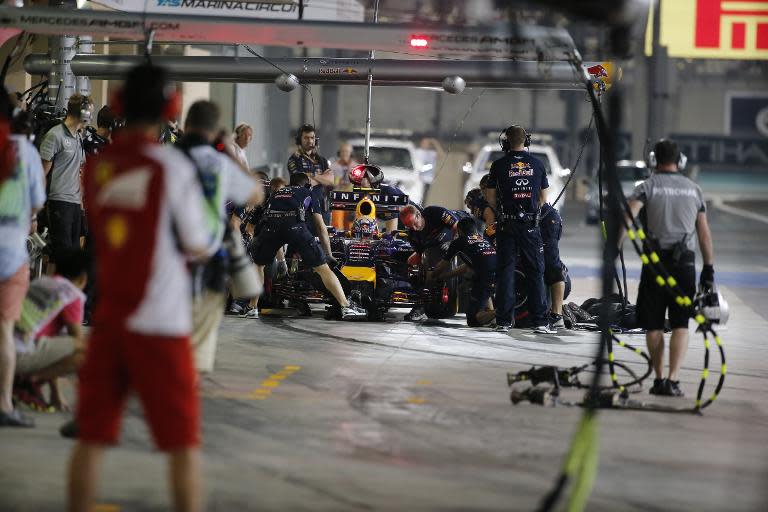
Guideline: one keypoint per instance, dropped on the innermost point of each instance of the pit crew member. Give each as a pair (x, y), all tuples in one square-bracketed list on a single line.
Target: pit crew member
[(285, 222)]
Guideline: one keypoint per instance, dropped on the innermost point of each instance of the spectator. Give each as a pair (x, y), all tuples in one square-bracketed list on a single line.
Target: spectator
[(243, 137), (53, 305), (22, 194), (222, 180), (341, 166), (63, 155), (149, 212)]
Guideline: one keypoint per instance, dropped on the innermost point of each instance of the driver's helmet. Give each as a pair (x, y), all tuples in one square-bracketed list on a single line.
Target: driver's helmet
[(374, 174), (365, 228)]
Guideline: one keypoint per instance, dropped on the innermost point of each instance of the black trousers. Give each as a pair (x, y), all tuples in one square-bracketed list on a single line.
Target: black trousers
[(65, 223)]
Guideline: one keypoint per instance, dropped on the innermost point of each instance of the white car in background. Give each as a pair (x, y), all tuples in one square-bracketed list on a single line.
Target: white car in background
[(556, 174), (399, 161)]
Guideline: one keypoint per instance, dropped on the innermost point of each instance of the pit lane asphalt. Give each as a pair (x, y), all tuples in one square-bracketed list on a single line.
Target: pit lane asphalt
[(304, 414)]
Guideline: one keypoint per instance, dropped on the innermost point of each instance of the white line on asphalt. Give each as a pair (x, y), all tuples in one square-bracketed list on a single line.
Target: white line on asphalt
[(718, 203)]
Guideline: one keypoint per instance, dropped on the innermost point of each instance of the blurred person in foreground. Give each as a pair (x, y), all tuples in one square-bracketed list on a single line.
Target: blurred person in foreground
[(22, 194), (146, 217), (222, 180)]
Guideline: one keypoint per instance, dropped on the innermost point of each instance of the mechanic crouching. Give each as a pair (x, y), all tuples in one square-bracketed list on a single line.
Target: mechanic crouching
[(476, 252), (519, 180), (430, 231), (285, 222)]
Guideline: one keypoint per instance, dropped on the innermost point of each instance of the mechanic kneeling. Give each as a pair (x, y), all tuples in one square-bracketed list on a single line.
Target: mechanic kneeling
[(430, 231), (285, 222), (477, 253)]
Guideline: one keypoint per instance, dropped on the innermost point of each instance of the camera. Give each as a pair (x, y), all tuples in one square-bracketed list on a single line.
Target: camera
[(245, 282)]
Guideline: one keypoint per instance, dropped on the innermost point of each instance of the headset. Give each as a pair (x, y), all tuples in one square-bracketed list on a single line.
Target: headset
[(303, 129), (682, 160), (82, 111), (504, 143)]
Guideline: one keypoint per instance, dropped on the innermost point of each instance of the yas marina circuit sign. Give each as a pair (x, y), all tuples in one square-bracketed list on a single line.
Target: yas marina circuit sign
[(336, 10), (717, 29)]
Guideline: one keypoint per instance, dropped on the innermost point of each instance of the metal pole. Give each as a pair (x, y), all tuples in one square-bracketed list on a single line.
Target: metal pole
[(370, 90)]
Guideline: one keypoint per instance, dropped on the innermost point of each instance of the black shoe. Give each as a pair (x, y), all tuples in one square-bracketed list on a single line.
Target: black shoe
[(302, 308), (673, 388), (15, 419), (659, 387), (70, 430), (556, 321), (333, 312)]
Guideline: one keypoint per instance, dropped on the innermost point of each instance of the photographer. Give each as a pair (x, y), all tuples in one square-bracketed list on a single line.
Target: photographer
[(63, 156), (222, 180)]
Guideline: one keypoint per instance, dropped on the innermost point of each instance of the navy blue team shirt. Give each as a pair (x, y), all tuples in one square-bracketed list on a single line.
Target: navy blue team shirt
[(289, 199), (299, 162), (474, 250), (518, 178)]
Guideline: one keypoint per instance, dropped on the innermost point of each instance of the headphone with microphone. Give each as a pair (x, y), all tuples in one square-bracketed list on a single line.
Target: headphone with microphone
[(82, 110), (304, 129), (504, 141), (682, 160)]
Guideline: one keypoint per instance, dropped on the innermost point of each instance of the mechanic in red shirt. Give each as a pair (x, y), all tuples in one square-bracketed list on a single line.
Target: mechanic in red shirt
[(145, 212)]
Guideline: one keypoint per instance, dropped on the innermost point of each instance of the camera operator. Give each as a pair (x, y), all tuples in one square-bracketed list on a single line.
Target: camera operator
[(222, 180), (520, 180), (63, 156)]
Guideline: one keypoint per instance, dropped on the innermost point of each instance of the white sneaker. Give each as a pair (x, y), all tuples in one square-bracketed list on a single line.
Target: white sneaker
[(544, 329), (353, 312), (502, 328), (556, 321), (415, 315), (252, 313)]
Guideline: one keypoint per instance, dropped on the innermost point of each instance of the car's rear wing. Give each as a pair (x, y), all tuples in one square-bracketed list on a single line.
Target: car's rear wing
[(385, 203)]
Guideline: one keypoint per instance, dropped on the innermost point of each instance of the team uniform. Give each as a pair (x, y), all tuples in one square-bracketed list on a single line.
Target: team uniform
[(478, 253), (477, 208), (285, 222), (518, 178), (672, 204), (439, 224), (66, 152), (144, 204), (300, 162)]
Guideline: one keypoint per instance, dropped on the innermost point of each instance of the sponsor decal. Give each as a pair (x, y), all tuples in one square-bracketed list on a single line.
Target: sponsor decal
[(227, 5), (721, 29)]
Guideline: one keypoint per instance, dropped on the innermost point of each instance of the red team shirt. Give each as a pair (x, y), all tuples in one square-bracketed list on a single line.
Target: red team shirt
[(144, 206)]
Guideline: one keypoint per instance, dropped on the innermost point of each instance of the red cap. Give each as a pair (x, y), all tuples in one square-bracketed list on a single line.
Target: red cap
[(407, 217)]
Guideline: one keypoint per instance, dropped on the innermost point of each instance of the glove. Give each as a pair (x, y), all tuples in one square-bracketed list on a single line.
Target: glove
[(707, 277), (282, 268), (332, 262), (414, 259)]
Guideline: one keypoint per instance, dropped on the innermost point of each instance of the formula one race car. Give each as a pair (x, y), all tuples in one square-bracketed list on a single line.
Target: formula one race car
[(373, 266)]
